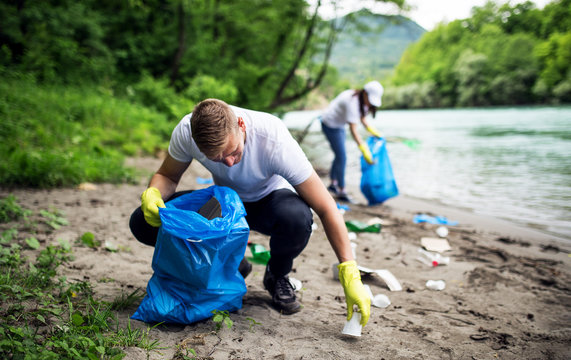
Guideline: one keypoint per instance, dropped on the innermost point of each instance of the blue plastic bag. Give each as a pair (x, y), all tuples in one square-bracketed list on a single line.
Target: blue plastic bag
[(196, 260), (377, 180)]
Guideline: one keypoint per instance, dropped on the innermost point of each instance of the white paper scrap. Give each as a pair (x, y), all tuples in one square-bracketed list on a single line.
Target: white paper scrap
[(435, 244)]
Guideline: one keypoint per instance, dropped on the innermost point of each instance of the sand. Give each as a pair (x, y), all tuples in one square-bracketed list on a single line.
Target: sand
[(507, 291)]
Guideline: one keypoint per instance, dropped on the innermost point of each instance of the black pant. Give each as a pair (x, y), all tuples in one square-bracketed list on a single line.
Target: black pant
[(282, 215)]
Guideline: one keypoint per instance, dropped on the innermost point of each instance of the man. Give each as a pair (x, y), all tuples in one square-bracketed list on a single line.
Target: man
[(254, 154)]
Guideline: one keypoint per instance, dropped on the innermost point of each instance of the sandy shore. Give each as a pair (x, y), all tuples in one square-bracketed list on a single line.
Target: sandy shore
[(507, 291)]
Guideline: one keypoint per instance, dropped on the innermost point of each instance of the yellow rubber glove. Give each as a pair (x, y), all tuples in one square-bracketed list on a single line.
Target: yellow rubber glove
[(374, 131), (366, 153), (355, 293), (151, 200)]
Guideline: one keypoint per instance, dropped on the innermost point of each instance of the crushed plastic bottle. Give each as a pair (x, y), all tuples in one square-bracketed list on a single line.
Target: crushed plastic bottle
[(431, 258), (358, 226)]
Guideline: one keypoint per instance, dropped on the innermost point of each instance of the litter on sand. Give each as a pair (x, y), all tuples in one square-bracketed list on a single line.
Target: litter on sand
[(438, 220), (204, 181), (437, 285), (435, 244), (358, 226), (387, 276), (295, 284), (432, 258), (260, 255), (380, 300), (353, 327)]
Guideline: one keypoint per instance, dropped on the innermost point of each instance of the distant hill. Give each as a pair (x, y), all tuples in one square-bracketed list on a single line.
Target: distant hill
[(372, 47)]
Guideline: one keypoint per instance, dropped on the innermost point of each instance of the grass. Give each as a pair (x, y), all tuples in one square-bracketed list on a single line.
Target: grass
[(45, 316), (54, 136)]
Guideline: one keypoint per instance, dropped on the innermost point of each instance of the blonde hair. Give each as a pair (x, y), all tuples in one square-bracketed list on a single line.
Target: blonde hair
[(211, 123)]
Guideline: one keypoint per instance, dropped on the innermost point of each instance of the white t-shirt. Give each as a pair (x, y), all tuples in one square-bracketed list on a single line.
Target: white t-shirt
[(271, 160), (344, 109)]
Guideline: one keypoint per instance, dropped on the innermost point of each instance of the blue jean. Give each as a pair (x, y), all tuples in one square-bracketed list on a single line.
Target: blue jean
[(336, 138)]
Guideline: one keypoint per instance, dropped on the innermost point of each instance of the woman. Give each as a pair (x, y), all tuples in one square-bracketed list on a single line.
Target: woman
[(349, 107)]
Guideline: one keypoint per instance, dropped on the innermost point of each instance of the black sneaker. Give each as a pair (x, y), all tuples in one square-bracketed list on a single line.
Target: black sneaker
[(283, 295), (345, 198), (245, 268), (333, 189)]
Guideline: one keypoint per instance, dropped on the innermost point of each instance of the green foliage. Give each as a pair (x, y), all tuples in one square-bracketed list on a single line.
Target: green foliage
[(222, 317), (63, 136), (205, 86), (88, 239), (501, 55), (252, 322), (10, 210), (46, 317)]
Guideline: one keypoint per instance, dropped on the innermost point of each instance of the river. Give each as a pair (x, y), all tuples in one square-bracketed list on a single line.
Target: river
[(510, 163)]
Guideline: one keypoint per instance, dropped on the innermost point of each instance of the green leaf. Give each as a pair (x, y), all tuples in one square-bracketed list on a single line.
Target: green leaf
[(77, 319), (89, 239), (228, 322), (217, 318), (32, 243)]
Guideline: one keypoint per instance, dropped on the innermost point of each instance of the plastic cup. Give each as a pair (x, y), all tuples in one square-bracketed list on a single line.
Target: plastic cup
[(442, 231), (353, 327), (335, 271), (436, 285)]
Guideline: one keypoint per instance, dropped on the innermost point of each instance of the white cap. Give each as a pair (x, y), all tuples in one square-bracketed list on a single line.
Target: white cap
[(374, 91)]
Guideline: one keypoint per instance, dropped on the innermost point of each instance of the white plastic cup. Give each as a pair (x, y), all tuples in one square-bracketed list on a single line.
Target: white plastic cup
[(438, 285), (335, 271), (353, 327), (442, 231)]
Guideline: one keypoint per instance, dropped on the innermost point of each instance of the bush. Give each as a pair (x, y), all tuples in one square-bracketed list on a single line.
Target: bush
[(203, 86), (63, 136)]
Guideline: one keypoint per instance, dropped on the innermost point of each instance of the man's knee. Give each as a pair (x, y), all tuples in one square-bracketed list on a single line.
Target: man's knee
[(142, 231), (295, 220)]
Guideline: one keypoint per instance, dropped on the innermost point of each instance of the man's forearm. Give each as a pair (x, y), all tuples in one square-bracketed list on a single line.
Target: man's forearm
[(337, 235), (166, 186)]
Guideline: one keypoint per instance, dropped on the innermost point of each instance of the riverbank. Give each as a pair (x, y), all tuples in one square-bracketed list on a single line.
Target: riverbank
[(507, 295)]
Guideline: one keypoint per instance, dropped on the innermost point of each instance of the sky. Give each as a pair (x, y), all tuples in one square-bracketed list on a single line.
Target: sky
[(426, 13)]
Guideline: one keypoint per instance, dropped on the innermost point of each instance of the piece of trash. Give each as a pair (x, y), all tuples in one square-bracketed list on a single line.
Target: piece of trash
[(352, 236), (380, 300), (204, 181), (438, 220), (109, 246), (375, 220), (260, 255), (335, 271), (353, 327), (358, 226), (353, 247), (435, 244), (436, 285), (432, 258), (314, 226), (295, 284), (391, 281), (442, 231), (86, 186), (343, 207)]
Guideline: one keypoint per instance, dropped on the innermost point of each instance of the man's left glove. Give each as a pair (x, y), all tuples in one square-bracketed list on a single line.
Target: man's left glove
[(374, 131), (151, 200), (355, 293)]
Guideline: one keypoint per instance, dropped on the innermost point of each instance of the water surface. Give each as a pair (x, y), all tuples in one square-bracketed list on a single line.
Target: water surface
[(511, 163)]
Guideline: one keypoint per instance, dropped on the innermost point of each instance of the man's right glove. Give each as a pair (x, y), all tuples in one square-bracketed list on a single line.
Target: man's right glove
[(355, 293), (151, 200), (366, 153)]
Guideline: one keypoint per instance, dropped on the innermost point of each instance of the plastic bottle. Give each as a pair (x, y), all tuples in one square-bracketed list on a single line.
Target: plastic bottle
[(432, 258)]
